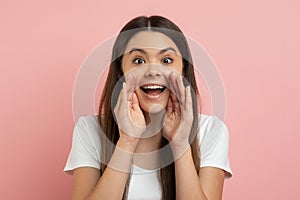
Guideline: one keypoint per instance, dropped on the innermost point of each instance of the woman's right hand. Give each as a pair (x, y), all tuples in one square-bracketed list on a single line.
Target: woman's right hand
[(130, 118)]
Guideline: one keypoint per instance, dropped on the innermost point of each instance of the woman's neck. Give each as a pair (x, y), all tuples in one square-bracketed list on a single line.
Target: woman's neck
[(151, 138), (146, 150), (146, 154), (154, 118)]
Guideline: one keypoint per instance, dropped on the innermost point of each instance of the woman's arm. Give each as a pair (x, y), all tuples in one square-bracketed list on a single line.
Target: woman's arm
[(178, 123), (208, 185), (88, 185)]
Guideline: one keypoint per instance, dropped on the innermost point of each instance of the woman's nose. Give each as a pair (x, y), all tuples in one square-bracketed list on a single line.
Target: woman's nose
[(152, 71), (152, 74)]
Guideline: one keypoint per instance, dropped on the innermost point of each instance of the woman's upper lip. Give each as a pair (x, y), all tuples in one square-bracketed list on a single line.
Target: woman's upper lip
[(153, 85)]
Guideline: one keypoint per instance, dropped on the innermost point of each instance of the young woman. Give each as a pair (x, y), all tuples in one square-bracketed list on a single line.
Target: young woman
[(148, 138)]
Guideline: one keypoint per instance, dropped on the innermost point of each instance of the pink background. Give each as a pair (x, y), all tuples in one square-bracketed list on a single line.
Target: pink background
[(255, 45)]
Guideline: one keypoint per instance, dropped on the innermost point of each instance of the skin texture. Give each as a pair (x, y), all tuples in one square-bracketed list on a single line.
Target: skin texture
[(144, 62), (156, 66)]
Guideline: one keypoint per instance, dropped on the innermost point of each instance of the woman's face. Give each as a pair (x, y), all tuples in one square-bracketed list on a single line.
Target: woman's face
[(152, 56)]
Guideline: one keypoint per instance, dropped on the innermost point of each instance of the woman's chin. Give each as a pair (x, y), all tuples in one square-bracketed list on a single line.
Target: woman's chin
[(153, 108), (156, 108)]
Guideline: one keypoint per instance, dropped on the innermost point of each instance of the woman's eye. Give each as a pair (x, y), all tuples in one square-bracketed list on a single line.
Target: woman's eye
[(167, 60), (138, 61)]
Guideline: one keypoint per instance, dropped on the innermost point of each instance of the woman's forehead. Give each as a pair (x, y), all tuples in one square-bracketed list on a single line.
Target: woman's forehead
[(150, 40)]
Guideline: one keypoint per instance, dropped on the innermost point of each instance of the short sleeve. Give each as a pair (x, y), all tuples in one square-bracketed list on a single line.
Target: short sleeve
[(215, 146), (84, 152)]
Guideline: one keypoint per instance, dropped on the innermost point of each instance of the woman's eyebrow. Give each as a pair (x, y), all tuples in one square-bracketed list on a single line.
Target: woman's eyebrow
[(167, 49), (160, 52), (137, 49)]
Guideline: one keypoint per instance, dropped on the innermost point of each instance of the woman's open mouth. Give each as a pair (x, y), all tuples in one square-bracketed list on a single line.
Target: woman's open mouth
[(153, 91)]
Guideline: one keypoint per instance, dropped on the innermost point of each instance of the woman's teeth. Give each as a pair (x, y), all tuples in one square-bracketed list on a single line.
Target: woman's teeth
[(153, 87)]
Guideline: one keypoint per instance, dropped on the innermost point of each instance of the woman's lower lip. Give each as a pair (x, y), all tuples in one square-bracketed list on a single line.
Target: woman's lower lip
[(153, 97)]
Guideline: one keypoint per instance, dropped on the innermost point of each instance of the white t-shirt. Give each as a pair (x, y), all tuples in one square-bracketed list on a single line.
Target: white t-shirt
[(85, 152)]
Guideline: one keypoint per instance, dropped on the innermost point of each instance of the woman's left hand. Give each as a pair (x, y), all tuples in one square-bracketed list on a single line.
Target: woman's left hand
[(179, 116)]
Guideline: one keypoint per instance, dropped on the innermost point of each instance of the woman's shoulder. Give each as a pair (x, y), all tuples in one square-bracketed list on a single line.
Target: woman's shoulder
[(88, 126), (214, 143), (85, 150), (211, 128), (88, 120), (207, 120)]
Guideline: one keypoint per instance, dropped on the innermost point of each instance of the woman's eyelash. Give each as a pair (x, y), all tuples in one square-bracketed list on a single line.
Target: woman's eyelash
[(138, 61), (170, 60), (166, 60)]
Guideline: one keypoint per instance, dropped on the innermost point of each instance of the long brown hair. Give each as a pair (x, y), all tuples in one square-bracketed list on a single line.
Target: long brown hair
[(107, 121)]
